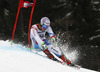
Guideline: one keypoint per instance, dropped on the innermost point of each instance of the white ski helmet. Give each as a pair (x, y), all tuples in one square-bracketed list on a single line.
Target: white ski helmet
[(45, 22)]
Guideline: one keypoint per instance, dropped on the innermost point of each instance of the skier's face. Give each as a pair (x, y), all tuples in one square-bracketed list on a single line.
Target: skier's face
[(43, 29)]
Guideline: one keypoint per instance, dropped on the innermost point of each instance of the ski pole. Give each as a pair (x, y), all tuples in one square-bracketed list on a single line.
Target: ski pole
[(58, 47)]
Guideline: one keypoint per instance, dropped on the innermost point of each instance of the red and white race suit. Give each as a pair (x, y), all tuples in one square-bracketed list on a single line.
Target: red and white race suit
[(38, 37)]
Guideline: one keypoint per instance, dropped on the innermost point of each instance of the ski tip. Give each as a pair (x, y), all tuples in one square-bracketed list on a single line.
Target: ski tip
[(77, 66)]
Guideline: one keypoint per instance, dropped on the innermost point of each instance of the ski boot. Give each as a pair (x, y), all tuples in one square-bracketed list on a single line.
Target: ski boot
[(50, 56), (47, 52), (68, 62)]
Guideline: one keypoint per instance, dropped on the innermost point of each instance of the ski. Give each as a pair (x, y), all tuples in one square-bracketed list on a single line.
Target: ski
[(54, 59), (74, 65), (77, 66)]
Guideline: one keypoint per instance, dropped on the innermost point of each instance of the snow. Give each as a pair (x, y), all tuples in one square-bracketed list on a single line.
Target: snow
[(93, 37), (96, 2), (18, 58), (98, 30)]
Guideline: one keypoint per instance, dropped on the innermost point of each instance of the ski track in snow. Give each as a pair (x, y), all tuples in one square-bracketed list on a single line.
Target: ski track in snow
[(18, 58)]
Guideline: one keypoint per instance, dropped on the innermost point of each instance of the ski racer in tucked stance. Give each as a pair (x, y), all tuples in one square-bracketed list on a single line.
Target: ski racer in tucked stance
[(40, 43)]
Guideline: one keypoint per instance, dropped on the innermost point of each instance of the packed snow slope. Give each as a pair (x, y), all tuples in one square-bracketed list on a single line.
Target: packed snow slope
[(17, 58)]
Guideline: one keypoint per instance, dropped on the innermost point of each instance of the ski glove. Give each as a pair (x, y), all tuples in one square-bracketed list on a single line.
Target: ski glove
[(53, 39), (44, 46)]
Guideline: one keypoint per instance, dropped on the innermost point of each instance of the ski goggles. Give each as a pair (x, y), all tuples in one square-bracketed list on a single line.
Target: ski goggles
[(45, 26)]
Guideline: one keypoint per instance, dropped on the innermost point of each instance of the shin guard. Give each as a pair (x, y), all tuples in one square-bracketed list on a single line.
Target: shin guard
[(47, 52)]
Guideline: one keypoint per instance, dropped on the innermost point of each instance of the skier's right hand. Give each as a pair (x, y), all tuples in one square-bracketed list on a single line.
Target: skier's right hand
[(44, 46), (54, 39)]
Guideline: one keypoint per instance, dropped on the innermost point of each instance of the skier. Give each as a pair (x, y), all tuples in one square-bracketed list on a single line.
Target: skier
[(40, 43)]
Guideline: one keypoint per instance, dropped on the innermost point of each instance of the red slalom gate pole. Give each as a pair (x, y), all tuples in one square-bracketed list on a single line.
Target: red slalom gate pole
[(16, 21)]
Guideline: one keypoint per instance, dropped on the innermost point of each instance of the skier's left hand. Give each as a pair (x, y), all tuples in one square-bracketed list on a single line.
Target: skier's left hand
[(44, 46), (53, 39)]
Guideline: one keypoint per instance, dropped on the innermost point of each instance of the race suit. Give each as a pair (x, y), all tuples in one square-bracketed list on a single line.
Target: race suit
[(38, 37)]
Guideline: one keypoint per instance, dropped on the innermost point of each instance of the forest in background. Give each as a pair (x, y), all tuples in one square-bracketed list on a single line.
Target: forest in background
[(79, 20)]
